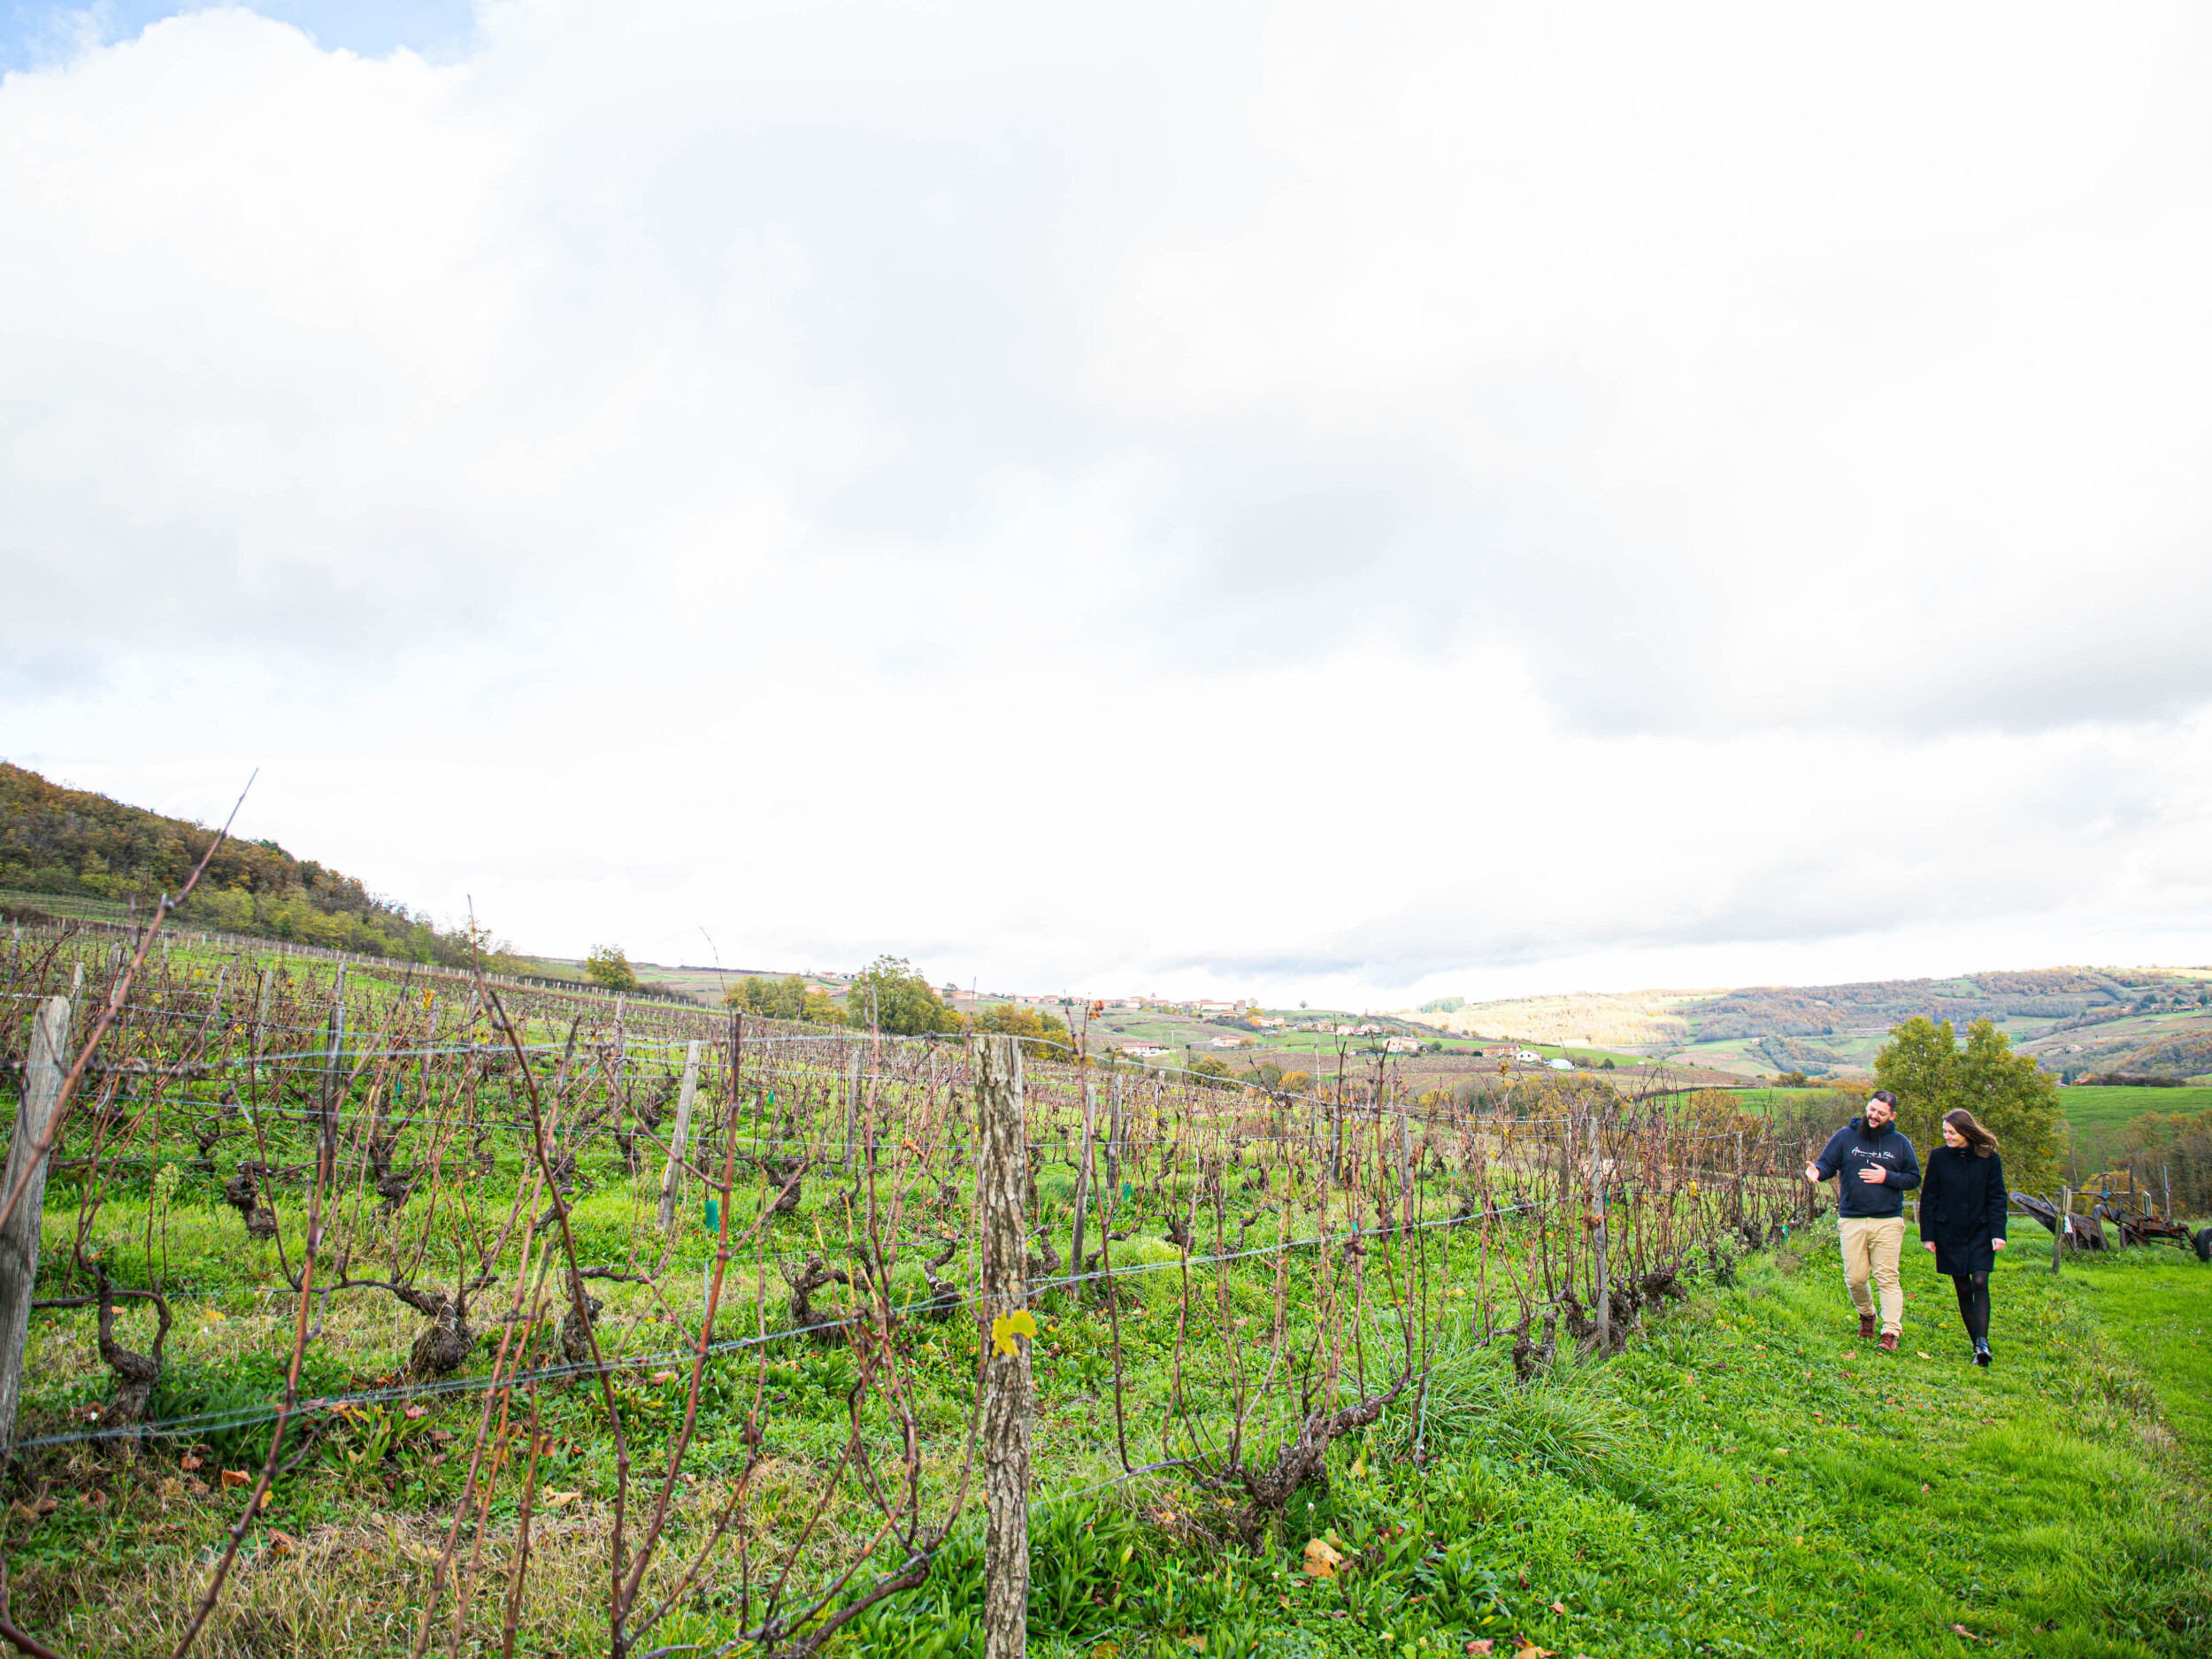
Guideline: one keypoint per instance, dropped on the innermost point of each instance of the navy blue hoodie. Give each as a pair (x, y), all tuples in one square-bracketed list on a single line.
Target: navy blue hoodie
[(1850, 1150)]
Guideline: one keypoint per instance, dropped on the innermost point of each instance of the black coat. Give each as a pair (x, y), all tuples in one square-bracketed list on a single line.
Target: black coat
[(1962, 1209)]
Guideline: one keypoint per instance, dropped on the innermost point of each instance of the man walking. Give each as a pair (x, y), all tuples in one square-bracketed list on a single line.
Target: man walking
[(1879, 1168)]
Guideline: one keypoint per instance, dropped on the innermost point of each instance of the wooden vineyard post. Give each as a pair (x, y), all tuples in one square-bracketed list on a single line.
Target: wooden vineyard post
[(1113, 1155), (1001, 1162), (1599, 1288), (1740, 1171), (672, 1175), (19, 1240), (1405, 1164), (2058, 1233), (1083, 1178), (852, 1105)]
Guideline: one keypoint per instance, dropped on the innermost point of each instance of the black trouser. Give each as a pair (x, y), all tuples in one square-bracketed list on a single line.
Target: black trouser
[(1973, 1295)]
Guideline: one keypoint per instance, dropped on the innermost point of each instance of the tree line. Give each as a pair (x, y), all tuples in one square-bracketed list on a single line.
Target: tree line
[(890, 994)]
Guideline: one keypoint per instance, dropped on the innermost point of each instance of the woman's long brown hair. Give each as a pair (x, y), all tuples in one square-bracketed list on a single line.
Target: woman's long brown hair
[(1976, 1137)]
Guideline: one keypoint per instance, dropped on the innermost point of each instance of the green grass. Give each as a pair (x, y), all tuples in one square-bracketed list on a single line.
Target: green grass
[(1750, 1479), (2154, 1306), (1764, 1100), (2091, 1108)]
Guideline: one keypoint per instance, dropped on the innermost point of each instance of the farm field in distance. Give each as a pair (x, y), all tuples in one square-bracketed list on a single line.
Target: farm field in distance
[(2076, 1021)]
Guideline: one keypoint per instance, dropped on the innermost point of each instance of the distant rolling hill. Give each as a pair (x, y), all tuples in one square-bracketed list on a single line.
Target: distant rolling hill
[(2080, 1022)]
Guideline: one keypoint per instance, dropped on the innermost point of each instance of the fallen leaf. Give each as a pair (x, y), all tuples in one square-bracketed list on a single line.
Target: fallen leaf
[(1922, 1352), (1196, 1644), (267, 1498), (236, 1477), (1321, 1561), (188, 1463), (1961, 1630), (1559, 1607), (417, 1411), (554, 1500), (1532, 1651), (1480, 1647), (664, 1376), (1924, 1486), (282, 1543)]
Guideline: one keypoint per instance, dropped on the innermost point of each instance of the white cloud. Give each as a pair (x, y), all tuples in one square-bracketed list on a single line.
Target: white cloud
[(1320, 498)]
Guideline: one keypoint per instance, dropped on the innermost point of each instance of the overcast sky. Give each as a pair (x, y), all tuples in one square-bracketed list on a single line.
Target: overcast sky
[(1357, 502)]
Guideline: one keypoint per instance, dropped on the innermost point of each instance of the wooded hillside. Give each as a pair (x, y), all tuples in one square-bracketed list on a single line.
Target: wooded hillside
[(56, 840)]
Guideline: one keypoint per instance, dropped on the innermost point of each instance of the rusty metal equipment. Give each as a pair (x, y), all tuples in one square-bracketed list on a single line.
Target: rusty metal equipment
[(2120, 1213), (2083, 1232)]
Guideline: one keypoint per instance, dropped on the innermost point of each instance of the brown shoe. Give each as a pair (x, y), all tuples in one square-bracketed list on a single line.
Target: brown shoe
[(1866, 1327), (1889, 1342)]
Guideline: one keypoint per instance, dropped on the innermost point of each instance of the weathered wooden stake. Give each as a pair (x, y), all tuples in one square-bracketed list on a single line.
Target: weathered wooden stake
[(1113, 1155), (1083, 1180), (1001, 1171), (1597, 1247), (852, 1105), (2058, 1237), (42, 1074), (672, 1175)]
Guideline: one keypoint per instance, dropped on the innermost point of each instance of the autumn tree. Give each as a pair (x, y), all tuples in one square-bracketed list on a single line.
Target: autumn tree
[(1042, 1035), (889, 994), (1931, 1074), (608, 966), (788, 998)]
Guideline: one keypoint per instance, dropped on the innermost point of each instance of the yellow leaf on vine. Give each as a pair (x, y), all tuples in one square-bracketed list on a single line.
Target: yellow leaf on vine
[(1007, 1326)]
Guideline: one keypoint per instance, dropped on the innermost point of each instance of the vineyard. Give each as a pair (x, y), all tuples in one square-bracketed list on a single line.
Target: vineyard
[(671, 1331)]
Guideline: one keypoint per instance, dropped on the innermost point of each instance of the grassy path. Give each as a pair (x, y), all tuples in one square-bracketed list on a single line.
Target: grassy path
[(2155, 1307), (1750, 1479)]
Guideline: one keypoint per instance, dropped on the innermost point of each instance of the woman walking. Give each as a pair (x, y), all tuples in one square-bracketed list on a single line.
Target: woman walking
[(1962, 1218)]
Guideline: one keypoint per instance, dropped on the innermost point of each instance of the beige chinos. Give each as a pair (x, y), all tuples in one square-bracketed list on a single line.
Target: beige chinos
[(1870, 1248)]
